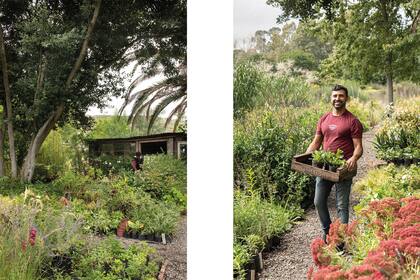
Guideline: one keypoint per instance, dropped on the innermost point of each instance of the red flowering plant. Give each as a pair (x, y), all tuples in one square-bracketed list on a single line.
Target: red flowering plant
[(384, 243), (380, 215)]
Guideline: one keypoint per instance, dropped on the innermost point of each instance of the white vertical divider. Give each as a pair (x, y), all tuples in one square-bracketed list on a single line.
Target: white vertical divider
[(210, 139)]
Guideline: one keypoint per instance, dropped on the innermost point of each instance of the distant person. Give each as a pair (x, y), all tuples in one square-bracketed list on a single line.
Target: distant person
[(337, 129), (137, 162)]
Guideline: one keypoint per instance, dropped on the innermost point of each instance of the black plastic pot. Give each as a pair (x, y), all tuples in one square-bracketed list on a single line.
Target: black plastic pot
[(408, 161), (333, 168), (317, 164), (326, 166)]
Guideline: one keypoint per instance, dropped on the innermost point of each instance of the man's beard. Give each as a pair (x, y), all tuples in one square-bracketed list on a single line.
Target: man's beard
[(339, 105)]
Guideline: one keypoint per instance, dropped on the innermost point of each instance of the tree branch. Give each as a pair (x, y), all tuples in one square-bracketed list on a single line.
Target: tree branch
[(83, 51)]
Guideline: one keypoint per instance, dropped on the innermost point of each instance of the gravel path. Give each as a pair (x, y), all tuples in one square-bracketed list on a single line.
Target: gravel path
[(292, 258), (173, 253)]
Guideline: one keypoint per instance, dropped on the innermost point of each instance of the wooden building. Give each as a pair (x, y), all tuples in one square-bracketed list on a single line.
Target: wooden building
[(169, 143)]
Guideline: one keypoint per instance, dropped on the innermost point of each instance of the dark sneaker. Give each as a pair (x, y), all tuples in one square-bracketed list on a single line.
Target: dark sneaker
[(340, 247), (324, 237)]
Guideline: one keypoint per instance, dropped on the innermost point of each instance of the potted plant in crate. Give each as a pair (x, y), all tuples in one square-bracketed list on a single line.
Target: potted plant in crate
[(317, 158), (336, 160)]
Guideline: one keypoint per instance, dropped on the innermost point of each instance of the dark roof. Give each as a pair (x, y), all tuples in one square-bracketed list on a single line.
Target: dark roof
[(153, 136)]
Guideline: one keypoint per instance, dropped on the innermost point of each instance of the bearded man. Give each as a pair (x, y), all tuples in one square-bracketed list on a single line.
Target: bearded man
[(337, 129)]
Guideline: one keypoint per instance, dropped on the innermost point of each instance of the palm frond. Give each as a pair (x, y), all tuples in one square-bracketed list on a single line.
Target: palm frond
[(179, 117), (176, 95), (176, 110)]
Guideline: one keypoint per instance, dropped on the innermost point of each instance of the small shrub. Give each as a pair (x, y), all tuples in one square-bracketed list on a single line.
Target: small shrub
[(110, 260)]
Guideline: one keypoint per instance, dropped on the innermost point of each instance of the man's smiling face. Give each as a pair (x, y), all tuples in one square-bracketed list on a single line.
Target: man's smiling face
[(338, 99)]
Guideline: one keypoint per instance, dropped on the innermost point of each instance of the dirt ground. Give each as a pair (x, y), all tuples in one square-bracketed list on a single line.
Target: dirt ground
[(291, 260)]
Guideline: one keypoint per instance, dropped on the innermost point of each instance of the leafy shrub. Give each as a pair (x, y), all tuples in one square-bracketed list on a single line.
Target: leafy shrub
[(241, 257), (110, 260), (389, 181), (256, 216), (398, 135), (155, 216), (301, 59), (164, 178), (265, 142)]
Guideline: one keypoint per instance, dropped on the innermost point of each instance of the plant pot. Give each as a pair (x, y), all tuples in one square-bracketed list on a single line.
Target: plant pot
[(276, 241), (408, 161), (333, 168), (122, 227), (326, 166), (251, 274), (258, 262), (317, 164), (158, 237)]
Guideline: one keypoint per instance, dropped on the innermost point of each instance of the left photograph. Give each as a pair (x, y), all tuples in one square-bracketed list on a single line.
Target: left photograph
[(93, 139)]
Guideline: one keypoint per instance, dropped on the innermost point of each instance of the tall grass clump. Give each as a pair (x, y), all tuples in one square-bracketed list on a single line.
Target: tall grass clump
[(247, 84), (21, 253)]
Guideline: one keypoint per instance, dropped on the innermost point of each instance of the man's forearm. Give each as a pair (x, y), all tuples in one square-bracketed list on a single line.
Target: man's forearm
[(312, 147), (358, 152)]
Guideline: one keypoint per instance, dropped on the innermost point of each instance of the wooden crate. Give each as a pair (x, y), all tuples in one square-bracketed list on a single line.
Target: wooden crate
[(302, 163)]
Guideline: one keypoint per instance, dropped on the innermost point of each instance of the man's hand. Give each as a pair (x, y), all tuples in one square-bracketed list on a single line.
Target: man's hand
[(351, 164), (358, 151)]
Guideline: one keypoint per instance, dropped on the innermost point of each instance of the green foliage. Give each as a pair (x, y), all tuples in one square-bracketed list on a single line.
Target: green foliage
[(118, 127), (330, 158), (256, 216), (164, 178), (397, 138), (367, 33), (265, 142), (241, 257), (246, 87), (110, 260), (16, 221), (389, 181), (301, 59)]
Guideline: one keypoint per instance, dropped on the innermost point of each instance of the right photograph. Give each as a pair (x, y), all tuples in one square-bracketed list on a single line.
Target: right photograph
[(326, 139)]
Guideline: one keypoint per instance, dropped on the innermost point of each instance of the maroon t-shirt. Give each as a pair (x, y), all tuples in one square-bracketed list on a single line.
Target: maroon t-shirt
[(338, 131)]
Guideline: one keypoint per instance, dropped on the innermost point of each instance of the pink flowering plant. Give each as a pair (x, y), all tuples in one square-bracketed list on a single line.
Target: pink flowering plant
[(383, 243)]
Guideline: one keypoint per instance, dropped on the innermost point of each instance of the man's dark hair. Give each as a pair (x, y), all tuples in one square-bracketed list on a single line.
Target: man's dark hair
[(340, 87)]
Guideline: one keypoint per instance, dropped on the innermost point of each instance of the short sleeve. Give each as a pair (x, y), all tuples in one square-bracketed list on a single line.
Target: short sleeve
[(318, 127), (356, 129)]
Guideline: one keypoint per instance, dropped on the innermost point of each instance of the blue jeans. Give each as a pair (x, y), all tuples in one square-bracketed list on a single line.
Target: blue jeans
[(322, 191)]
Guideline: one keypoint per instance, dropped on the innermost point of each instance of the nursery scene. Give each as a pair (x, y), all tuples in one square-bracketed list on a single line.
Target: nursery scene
[(291, 85), (93, 140)]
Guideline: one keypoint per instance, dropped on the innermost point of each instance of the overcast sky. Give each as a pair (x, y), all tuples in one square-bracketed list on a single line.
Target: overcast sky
[(252, 15)]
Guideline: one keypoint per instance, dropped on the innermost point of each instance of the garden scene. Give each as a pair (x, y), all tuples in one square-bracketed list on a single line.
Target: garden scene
[(283, 79), (70, 212)]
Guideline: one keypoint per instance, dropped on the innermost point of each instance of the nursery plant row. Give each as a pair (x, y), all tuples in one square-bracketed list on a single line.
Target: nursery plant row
[(67, 229)]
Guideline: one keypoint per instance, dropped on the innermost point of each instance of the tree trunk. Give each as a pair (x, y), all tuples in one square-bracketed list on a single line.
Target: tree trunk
[(9, 112), (390, 88), (2, 127), (28, 166), (389, 80)]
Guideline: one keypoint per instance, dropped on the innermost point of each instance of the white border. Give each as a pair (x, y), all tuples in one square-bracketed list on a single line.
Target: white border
[(210, 122)]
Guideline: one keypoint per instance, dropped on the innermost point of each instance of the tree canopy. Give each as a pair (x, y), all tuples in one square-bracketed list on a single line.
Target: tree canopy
[(64, 56)]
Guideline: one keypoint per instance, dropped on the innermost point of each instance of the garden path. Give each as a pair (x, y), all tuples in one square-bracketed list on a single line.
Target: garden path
[(174, 253), (291, 260)]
